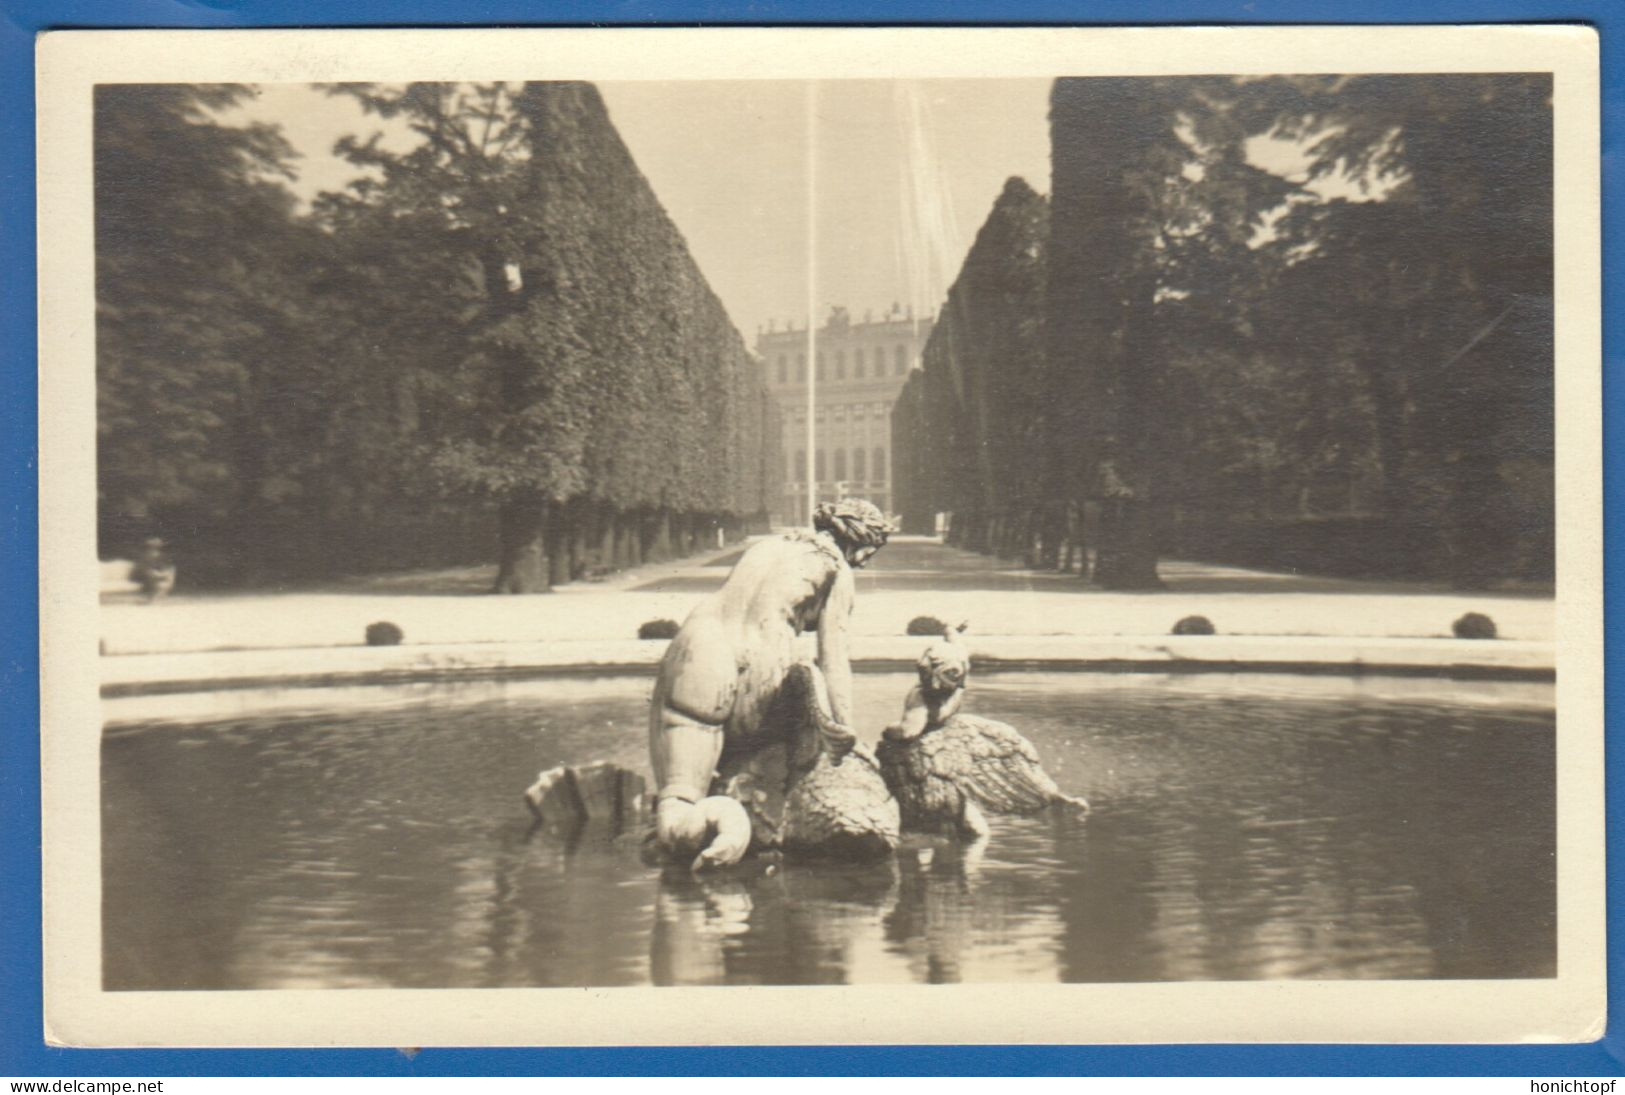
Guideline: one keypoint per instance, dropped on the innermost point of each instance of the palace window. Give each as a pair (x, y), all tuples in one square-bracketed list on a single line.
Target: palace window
[(820, 367), (858, 371), (840, 364), (784, 369), (880, 465), (818, 464), (857, 464), (798, 467), (840, 463), (801, 368), (899, 361)]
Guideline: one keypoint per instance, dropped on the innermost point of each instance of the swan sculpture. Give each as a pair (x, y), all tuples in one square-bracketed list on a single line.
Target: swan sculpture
[(937, 770), (948, 769)]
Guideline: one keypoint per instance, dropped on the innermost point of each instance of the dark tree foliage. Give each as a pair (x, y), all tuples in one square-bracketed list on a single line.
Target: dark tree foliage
[(499, 319), (1235, 366), (1112, 144), (1230, 347), (917, 489), (192, 253), (1154, 205), (1445, 297)]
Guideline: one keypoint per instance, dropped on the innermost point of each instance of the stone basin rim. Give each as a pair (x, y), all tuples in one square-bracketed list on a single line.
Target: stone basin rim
[(207, 671)]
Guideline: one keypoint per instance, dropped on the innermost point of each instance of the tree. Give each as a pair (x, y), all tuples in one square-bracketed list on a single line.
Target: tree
[(561, 351), (1153, 210), (915, 487), (449, 225), (1224, 339), (192, 255), (1444, 284)]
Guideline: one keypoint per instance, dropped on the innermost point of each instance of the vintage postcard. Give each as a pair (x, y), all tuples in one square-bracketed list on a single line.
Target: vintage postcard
[(635, 537)]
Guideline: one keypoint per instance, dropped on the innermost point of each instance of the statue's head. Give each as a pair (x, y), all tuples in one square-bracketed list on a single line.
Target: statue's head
[(857, 526), (945, 666)]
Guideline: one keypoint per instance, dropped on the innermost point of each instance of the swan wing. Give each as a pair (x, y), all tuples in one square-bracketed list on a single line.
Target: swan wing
[(992, 764)]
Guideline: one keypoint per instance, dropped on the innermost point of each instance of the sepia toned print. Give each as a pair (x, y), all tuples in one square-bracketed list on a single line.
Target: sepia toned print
[(1102, 539)]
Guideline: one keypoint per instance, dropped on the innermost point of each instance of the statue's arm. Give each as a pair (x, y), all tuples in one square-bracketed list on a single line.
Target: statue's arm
[(916, 717), (834, 648)]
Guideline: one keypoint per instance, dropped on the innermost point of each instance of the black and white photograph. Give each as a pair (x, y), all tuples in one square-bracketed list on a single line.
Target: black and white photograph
[(1042, 536)]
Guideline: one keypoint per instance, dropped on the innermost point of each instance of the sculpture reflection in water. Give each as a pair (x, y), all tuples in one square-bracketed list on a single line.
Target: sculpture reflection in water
[(935, 914), (928, 915), (815, 924)]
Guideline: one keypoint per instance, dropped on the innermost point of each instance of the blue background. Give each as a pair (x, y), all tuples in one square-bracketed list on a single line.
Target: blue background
[(22, 1051)]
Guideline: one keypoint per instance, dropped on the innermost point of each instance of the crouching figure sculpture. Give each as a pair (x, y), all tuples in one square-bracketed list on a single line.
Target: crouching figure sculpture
[(802, 797), (751, 747), (732, 698)]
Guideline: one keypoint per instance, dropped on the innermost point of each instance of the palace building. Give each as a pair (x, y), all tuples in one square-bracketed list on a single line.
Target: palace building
[(860, 368)]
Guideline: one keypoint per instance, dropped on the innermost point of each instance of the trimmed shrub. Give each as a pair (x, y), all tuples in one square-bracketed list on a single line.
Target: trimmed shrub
[(657, 629), (926, 625), (384, 633), (1474, 625), (1194, 625)]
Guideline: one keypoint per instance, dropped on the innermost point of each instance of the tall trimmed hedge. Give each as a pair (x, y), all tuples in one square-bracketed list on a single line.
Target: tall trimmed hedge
[(677, 436), (967, 433), (495, 344)]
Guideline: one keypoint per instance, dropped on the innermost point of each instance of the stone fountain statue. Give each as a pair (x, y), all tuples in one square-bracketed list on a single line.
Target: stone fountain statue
[(751, 748), (721, 705)]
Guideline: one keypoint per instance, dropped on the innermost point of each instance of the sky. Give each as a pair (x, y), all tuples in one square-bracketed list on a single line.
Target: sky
[(729, 162), (906, 173)]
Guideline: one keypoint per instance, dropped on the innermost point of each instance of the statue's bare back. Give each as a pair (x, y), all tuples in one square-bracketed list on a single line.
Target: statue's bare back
[(725, 667)]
